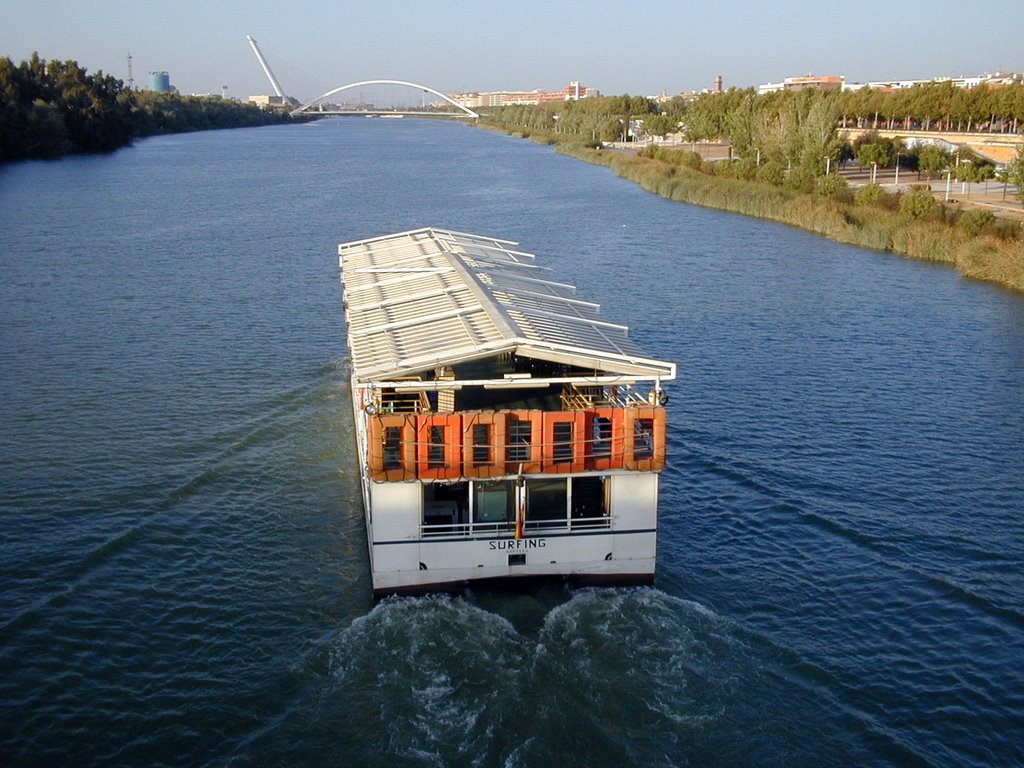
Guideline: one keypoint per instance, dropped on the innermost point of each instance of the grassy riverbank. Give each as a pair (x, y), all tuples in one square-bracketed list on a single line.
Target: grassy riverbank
[(991, 253), (998, 259)]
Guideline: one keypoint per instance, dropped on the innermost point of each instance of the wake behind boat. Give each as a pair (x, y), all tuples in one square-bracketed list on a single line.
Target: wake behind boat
[(504, 429)]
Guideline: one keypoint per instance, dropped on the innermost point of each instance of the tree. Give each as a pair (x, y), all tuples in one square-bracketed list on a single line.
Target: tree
[(1016, 173), (931, 159), (878, 152), (660, 125)]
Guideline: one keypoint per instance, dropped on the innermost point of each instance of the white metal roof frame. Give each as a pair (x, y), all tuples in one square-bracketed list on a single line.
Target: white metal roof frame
[(429, 297)]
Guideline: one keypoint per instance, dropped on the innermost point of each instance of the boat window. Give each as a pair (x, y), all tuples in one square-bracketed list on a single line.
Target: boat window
[(445, 506), (493, 502), (435, 451), (481, 444), (563, 441), (643, 438), (547, 501), (588, 501), (602, 436), (392, 447), (519, 436)]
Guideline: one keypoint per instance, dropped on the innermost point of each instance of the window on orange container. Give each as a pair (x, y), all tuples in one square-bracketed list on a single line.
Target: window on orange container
[(392, 448)]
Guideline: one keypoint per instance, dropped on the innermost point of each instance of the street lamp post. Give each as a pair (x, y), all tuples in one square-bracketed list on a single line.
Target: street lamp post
[(897, 182), (874, 172), (828, 165)]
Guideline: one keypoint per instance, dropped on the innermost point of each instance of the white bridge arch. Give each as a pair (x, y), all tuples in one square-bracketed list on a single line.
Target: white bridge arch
[(465, 111)]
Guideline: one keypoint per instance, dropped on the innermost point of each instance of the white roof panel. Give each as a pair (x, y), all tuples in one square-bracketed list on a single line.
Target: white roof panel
[(429, 297)]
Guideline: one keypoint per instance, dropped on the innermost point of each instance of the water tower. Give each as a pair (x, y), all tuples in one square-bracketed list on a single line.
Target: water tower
[(160, 82)]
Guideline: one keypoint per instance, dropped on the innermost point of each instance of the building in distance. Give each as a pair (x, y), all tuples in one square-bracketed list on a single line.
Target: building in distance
[(574, 91), (805, 83), (838, 82)]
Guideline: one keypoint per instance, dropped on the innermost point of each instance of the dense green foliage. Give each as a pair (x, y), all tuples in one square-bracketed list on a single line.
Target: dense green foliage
[(795, 129), (1015, 173), (920, 203), (48, 109)]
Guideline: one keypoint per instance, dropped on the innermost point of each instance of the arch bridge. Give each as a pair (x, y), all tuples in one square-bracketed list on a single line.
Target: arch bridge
[(318, 106)]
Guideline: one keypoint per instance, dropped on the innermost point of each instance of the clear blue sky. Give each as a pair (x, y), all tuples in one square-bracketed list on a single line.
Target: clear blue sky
[(621, 47)]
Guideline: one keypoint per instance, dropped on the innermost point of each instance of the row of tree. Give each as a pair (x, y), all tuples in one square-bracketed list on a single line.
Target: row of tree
[(794, 130), (939, 106), (931, 106), (49, 109)]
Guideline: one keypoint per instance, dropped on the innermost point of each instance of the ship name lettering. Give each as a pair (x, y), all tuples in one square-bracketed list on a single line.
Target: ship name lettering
[(518, 544)]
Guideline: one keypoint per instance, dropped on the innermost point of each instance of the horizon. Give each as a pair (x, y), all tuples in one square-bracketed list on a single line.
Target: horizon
[(452, 46)]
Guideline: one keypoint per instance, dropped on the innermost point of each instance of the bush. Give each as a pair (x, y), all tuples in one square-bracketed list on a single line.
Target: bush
[(834, 187), (974, 221), (919, 203), (771, 173), (870, 194), (745, 169), (709, 167), (693, 159), (800, 179)]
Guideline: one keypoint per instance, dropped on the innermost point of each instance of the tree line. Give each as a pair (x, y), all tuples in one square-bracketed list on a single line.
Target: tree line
[(53, 108), (793, 134)]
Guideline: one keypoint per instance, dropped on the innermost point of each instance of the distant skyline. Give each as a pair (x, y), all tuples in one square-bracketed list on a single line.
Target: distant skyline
[(454, 45)]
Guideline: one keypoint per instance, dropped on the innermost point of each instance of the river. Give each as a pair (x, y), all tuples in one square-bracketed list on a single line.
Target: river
[(183, 568)]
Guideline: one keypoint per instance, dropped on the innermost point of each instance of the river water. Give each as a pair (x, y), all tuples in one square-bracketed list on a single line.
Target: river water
[(183, 568)]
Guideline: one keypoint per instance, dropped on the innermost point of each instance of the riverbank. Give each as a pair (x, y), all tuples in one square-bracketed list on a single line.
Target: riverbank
[(55, 109), (980, 256)]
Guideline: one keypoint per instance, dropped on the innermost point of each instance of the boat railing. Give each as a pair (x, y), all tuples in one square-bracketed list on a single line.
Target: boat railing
[(577, 397), (532, 528)]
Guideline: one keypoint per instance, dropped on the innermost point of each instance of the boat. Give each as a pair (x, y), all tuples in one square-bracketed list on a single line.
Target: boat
[(504, 428)]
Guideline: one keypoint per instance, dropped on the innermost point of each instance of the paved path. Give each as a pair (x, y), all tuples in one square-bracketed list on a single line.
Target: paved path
[(986, 194)]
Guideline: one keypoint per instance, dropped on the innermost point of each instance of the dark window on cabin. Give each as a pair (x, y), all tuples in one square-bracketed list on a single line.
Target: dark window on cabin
[(588, 501), (563, 441), (392, 448), (481, 444), (643, 438), (435, 451), (547, 501), (519, 435), (602, 445)]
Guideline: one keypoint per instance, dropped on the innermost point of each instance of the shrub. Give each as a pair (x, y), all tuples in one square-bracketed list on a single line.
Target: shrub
[(869, 194), (771, 173), (693, 159), (834, 187), (709, 167), (919, 203), (800, 179), (974, 221), (745, 169)]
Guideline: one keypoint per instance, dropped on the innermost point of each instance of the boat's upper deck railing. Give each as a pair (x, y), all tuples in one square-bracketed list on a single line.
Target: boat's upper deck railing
[(571, 397), (577, 397)]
